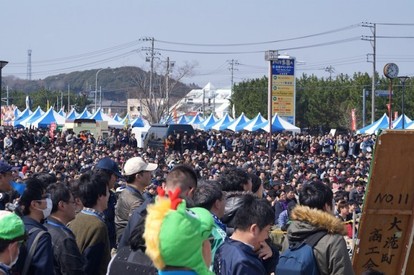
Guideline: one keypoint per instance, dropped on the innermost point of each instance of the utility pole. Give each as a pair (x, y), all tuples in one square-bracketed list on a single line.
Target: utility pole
[(373, 40), (232, 64), (170, 64), (330, 70), (150, 59), (68, 98)]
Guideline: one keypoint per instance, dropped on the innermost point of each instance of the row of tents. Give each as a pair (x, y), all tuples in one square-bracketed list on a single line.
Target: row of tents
[(41, 119), (242, 123), (384, 123)]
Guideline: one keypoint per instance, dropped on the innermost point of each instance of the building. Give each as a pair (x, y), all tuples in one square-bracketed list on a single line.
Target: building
[(205, 101)]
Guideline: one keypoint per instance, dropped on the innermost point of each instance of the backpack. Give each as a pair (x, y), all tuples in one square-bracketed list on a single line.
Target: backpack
[(299, 258), (28, 257)]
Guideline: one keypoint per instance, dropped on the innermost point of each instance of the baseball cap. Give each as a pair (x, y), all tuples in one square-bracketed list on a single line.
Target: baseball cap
[(137, 164), (11, 226), (109, 165), (4, 167)]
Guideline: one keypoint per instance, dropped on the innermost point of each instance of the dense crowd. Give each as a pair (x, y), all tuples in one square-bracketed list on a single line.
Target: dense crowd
[(236, 162)]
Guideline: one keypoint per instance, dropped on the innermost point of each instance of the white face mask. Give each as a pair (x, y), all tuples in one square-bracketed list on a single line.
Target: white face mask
[(46, 212), (12, 262)]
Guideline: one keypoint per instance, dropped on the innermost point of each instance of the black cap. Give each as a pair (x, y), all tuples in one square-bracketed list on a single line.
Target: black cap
[(109, 165)]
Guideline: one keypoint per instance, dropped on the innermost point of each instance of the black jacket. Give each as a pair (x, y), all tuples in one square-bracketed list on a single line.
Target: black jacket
[(67, 257), (233, 202)]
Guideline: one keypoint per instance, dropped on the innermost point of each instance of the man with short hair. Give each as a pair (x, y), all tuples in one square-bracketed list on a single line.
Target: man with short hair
[(12, 233), (310, 217), (241, 253), (181, 176), (137, 174), (67, 257), (110, 170), (89, 225), (210, 196)]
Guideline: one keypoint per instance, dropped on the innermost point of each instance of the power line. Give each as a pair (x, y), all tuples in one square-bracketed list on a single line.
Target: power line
[(261, 43)]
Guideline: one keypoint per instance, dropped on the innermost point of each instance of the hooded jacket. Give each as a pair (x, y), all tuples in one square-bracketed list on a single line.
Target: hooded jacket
[(330, 252)]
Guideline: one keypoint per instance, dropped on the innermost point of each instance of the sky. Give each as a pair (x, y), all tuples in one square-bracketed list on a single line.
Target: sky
[(77, 35)]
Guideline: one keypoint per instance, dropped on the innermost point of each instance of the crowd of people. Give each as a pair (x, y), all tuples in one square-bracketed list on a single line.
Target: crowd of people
[(82, 214)]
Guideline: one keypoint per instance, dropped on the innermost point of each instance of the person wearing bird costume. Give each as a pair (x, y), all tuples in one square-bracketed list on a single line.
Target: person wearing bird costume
[(177, 237)]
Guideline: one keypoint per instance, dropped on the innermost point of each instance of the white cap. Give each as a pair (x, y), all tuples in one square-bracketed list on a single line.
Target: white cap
[(137, 164)]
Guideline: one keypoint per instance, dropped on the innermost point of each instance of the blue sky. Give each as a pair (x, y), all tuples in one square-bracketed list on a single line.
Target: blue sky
[(77, 35)]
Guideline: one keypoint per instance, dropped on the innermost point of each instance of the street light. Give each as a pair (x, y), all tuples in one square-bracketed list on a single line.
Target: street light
[(2, 64), (270, 56), (96, 85), (403, 79)]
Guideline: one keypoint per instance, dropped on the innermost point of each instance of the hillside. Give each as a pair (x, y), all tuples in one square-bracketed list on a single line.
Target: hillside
[(130, 81)]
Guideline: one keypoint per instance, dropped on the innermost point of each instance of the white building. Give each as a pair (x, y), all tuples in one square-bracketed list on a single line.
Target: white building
[(205, 101)]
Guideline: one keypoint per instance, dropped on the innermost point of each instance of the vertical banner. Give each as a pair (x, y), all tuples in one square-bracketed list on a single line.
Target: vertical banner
[(283, 88), (395, 115), (353, 120)]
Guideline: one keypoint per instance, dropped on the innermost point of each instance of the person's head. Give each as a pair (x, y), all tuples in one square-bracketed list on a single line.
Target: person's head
[(281, 195), (210, 196), (138, 172), (257, 185), (45, 178), (12, 233), (253, 220), (343, 208), (110, 168), (183, 177), (35, 202), (235, 179), (317, 195), (6, 176), (176, 237), (93, 191), (64, 205)]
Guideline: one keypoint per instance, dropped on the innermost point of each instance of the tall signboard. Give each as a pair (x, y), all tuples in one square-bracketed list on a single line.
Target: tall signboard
[(284, 88), (386, 230)]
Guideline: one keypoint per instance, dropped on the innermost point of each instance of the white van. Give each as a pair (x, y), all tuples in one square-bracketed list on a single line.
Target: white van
[(140, 133)]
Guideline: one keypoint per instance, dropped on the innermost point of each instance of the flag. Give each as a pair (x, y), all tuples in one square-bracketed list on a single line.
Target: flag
[(353, 120)]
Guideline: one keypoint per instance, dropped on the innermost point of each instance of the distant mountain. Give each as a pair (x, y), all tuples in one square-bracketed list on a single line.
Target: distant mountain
[(123, 82)]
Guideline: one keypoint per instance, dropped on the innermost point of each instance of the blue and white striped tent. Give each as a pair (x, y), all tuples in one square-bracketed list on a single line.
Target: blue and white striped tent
[(182, 120), (237, 124), (208, 123), (196, 120), (72, 114), (279, 125), (45, 120), (253, 125), (138, 122), (221, 124), (382, 123), (397, 124), (117, 118), (84, 114), (30, 119)]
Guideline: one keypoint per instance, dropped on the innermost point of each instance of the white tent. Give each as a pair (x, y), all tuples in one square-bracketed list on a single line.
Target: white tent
[(382, 123)]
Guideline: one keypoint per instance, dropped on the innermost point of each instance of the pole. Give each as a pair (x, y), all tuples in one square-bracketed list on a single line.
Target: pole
[(204, 108), (269, 112), (96, 86), (68, 98), (373, 76), (390, 106), (363, 107), (7, 94), (100, 97), (2, 64), (167, 92), (152, 70), (403, 79)]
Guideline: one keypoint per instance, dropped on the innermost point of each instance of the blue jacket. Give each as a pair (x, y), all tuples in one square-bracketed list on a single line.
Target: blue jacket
[(42, 261), (234, 257)]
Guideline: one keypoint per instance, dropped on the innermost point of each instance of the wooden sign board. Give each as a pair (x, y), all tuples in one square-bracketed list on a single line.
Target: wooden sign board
[(385, 232)]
